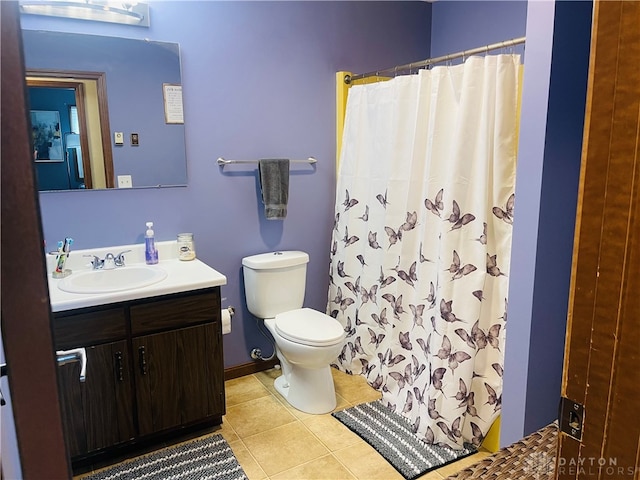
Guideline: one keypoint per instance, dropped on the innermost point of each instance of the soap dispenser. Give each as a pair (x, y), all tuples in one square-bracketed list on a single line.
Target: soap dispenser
[(150, 251)]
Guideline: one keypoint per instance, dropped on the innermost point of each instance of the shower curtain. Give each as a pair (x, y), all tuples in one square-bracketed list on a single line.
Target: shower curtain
[(421, 242)]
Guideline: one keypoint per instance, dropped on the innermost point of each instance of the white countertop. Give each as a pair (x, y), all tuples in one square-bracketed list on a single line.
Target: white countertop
[(182, 276)]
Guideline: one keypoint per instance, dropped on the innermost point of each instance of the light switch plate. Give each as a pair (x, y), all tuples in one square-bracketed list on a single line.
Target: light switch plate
[(124, 181), (118, 138)]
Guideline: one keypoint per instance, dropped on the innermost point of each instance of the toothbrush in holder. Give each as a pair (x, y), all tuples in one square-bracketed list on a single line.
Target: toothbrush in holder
[(64, 249)]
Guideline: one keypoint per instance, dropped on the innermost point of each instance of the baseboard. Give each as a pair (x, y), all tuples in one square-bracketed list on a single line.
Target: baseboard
[(249, 368)]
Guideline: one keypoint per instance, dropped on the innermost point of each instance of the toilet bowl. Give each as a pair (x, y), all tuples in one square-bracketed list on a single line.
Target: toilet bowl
[(306, 340)]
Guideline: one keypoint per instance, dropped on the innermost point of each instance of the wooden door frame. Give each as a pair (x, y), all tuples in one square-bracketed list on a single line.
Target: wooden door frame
[(601, 350), (26, 312)]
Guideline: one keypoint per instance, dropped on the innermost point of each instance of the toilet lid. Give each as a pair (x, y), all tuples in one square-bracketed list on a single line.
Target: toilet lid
[(309, 327)]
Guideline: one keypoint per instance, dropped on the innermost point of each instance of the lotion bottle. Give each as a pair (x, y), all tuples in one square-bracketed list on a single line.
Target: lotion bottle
[(150, 251)]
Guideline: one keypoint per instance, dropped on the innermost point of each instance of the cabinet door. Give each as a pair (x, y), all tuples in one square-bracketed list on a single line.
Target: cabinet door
[(179, 377), (97, 413)]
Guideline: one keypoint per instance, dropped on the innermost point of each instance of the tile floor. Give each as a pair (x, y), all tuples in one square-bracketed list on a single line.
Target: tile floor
[(274, 441)]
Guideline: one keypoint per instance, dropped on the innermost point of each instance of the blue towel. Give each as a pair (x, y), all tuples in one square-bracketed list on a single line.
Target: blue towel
[(274, 183)]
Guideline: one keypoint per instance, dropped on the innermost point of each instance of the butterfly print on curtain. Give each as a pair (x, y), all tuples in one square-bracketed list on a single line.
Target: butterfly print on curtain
[(425, 322), (370, 349)]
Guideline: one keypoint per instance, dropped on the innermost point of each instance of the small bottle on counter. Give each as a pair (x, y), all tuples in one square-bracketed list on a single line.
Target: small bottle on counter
[(150, 250), (186, 247)]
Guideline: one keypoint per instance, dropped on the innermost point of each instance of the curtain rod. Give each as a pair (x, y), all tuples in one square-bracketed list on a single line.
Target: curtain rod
[(423, 63)]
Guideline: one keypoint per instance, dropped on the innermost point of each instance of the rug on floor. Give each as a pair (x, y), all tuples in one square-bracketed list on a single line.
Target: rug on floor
[(391, 435), (532, 458), (207, 458)]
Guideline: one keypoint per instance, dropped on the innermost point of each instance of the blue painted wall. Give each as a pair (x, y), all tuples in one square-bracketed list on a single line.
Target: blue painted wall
[(54, 175), (258, 81)]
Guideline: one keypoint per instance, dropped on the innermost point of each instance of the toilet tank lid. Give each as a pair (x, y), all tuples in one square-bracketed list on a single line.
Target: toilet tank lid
[(266, 261)]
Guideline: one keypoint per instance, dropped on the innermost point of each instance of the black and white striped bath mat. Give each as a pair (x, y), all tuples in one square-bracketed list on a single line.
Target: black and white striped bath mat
[(208, 458), (391, 435)]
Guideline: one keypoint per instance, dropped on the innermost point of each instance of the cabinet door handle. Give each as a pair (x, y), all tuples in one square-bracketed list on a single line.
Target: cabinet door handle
[(142, 361), (74, 355), (119, 367)]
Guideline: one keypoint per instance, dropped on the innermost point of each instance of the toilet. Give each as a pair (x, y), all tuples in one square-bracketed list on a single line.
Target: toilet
[(306, 340)]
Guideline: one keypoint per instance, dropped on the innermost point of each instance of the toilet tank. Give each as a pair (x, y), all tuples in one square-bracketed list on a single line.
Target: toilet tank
[(274, 282)]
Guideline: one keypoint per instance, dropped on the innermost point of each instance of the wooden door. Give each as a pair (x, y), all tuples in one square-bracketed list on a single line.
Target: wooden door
[(176, 383), (602, 354), (26, 324), (98, 412)]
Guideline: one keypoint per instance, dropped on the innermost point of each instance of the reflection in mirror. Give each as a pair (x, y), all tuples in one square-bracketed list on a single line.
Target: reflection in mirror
[(97, 87), (86, 160)]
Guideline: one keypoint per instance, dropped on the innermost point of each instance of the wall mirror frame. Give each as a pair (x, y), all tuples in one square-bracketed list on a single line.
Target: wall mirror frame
[(118, 86)]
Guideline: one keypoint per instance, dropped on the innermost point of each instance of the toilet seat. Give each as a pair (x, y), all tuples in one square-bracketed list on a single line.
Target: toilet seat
[(309, 327)]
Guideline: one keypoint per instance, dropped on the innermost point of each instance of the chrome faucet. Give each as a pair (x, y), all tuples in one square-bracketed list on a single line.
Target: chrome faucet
[(119, 259), (109, 262), (96, 263)]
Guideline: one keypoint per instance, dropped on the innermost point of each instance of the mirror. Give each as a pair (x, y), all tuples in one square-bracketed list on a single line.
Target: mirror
[(106, 112)]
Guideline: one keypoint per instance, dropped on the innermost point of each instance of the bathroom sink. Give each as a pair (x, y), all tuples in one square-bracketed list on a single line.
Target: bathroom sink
[(116, 280)]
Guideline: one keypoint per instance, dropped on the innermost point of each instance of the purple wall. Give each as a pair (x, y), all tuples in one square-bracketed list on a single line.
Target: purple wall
[(258, 81), (533, 121), (553, 101), (462, 25), (547, 189), (558, 200)]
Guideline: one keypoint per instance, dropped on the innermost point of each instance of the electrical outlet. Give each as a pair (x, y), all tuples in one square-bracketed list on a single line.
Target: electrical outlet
[(124, 181), (118, 138)]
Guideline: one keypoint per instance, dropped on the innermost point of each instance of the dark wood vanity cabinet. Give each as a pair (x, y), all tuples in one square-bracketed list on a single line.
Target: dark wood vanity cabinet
[(173, 384), (97, 413), (154, 368), (177, 369)]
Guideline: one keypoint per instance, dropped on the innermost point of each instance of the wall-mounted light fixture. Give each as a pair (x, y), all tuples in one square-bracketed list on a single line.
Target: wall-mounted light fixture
[(129, 13)]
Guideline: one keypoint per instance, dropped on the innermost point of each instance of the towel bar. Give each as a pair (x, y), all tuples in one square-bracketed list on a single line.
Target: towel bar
[(222, 162)]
